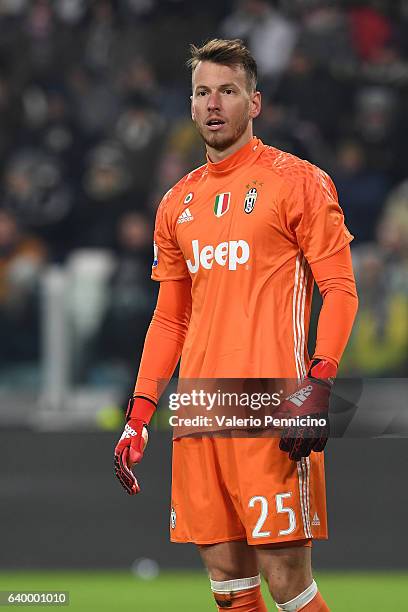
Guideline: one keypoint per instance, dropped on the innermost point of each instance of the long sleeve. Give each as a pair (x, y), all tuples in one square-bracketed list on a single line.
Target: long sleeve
[(165, 338), (335, 279)]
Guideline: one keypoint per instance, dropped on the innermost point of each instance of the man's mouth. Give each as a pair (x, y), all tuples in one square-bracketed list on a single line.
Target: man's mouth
[(215, 124)]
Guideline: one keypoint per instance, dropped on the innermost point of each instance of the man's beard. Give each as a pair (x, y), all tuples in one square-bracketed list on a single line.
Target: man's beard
[(221, 143)]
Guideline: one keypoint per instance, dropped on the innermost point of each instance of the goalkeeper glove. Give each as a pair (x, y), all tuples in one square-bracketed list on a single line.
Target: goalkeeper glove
[(132, 443), (310, 400)]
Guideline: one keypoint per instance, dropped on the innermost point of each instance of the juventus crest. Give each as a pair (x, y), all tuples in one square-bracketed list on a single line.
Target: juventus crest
[(250, 200)]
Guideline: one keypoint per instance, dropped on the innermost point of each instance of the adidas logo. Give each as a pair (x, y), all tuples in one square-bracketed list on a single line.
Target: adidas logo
[(128, 432), (299, 397), (185, 216), (315, 520)]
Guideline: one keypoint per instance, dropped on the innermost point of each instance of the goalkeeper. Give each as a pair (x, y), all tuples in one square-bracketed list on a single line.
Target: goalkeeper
[(239, 243)]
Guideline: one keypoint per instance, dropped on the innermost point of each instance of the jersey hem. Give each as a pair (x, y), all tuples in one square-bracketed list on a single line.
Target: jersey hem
[(283, 542), (243, 537), (169, 278), (203, 542)]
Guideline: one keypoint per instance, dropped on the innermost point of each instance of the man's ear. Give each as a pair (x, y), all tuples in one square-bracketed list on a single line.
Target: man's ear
[(256, 104), (192, 111)]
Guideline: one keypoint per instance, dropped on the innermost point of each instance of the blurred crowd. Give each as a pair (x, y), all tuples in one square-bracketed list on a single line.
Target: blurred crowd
[(95, 127)]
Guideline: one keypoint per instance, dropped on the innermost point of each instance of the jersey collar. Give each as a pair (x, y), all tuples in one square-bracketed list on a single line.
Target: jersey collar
[(244, 156)]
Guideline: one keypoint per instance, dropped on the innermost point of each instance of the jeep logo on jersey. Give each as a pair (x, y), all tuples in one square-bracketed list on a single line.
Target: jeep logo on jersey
[(231, 254), (222, 203), (250, 200)]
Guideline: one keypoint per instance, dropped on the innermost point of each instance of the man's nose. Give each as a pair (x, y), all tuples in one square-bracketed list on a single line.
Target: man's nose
[(214, 101)]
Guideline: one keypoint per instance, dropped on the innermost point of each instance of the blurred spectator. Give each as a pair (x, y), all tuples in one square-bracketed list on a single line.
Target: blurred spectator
[(138, 8), (132, 296), (379, 342), (312, 94), (280, 126), (370, 31), (37, 194), (138, 78), (70, 11), (389, 68), (12, 7), (101, 36), (361, 190), (41, 37), (375, 112), (393, 227), (270, 35), (22, 258), (182, 151), (86, 298), (48, 123), (105, 195), (381, 126), (10, 111), (94, 101), (140, 130), (325, 34)]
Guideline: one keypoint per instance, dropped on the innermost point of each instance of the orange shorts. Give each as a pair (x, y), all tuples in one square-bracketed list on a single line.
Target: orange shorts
[(245, 488)]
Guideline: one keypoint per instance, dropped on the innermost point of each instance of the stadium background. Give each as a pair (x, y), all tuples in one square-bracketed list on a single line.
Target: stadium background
[(94, 128)]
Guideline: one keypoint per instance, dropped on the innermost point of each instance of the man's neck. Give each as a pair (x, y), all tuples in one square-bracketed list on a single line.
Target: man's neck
[(217, 156)]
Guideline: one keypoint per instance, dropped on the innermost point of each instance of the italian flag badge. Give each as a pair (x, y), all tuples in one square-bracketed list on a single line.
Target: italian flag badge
[(222, 203)]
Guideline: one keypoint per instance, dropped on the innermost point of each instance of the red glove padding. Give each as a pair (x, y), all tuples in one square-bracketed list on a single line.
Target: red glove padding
[(130, 448), (311, 400)]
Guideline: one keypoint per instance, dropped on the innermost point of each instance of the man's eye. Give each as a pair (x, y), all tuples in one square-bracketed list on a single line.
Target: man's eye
[(228, 91), (201, 93)]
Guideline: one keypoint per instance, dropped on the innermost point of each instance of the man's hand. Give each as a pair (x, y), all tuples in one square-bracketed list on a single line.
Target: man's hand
[(132, 443), (310, 400), (129, 450)]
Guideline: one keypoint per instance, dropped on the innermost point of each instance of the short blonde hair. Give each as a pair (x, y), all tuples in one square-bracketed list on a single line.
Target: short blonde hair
[(228, 53)]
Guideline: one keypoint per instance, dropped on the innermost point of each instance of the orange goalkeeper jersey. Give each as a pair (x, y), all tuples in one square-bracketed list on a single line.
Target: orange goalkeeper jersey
[(245, 230)]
